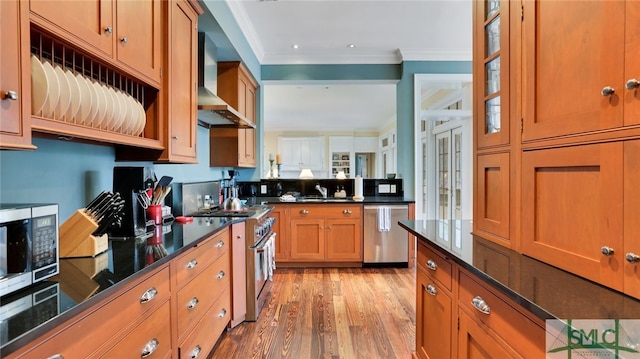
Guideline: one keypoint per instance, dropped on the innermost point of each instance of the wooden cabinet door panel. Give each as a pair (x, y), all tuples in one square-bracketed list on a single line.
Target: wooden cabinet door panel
[(307, 239), (139, 22), (572, 207), (181, 97), (632, 63), (280, 228), (86, 21), (631, 219), (590, 54), (492, 214), (433, 328), (476, 342), (344, 239), (238, 273)]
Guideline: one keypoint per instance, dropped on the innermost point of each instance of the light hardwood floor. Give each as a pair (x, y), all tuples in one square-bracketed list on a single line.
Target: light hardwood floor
[(330, 313)]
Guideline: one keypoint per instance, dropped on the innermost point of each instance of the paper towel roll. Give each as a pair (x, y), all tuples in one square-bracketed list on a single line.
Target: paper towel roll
[(358, 189)]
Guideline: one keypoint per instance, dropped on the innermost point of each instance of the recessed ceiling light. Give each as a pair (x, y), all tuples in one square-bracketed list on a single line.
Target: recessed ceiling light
[(351, 46), (295, 46)]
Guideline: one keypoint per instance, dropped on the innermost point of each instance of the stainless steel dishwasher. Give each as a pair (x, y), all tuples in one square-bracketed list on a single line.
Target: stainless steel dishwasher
[(385, 244)]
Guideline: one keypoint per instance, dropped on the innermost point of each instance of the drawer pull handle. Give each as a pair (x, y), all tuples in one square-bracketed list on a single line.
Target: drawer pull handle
[(431, 264), (432, 290), (632, 258), (220, 244), (11, 95), (148, 295), (56, 356), (192, 264), (347, 211), (221, 274), (195, 352), (151, 347), (304, 211), (607, 251), (192, 303), (480, 305), (222, 313)]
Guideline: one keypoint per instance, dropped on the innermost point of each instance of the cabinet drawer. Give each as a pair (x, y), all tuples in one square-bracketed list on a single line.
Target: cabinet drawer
[(76, 338), (149, 339), (326, 211), (194, 262), (197, 297), (522, 333), (435, 265), (204, 336)]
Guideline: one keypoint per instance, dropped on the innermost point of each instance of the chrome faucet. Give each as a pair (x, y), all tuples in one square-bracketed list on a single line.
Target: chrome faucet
[(322, 190)]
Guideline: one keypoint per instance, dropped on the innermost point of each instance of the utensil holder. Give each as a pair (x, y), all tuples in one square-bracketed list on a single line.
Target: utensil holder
[(76, 239)]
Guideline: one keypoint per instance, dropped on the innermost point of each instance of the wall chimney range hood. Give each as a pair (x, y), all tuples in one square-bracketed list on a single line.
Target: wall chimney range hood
[(214, 112)]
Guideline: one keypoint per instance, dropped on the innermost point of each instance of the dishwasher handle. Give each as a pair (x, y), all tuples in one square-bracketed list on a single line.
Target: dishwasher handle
[(392, 207)]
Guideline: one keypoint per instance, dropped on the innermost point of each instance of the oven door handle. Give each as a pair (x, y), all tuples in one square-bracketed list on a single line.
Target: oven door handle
[(259, 247)]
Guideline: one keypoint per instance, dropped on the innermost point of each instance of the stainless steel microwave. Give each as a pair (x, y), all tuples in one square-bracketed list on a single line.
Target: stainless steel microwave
[(28, 245)]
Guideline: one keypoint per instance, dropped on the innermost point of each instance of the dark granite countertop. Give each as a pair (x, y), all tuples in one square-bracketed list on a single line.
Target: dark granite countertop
[(329, 200), (83, 282), (543, 290)]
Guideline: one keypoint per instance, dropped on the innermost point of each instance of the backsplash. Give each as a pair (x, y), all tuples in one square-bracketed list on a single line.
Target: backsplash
[(306, 187)]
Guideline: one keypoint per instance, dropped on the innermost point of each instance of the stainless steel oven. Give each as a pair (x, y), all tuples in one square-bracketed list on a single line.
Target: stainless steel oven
[(260, 262)]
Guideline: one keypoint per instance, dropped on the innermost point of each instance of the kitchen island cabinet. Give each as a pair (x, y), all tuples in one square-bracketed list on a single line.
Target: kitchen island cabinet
[(15, 98)]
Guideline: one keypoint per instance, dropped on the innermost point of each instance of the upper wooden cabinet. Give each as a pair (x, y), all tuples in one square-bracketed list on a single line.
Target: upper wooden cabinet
[(15, 96), (581, 67), (180, 96), (493, 80), (129, 32), (235, 147)]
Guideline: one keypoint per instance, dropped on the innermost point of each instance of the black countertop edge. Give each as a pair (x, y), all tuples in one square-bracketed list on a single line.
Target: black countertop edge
[(96, 298), (588, 288), (336, 200)]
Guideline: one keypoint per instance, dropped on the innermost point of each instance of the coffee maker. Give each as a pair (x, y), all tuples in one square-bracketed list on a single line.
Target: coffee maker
[(129, 182)]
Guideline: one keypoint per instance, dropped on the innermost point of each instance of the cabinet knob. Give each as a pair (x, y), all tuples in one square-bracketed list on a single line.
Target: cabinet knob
[(220, 244), (304, 211), (607, 91), (480, 305), (192, 303), (151, 347), (108, 30), (220, 275), (148, 295), (222, 313), (632, 258), (124, 40), (195, 352), (432, 290), (632, 84), (607, 251), (347, 211), (192, 264), (11, 95), (175, 137)]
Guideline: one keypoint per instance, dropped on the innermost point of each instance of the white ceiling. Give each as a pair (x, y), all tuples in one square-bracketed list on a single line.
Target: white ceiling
[(383, 32)]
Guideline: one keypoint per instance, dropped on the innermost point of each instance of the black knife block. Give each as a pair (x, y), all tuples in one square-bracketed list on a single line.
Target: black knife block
[(129, 181)]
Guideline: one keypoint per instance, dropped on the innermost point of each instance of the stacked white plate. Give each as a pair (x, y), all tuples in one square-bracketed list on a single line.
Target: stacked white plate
[(64, 96)]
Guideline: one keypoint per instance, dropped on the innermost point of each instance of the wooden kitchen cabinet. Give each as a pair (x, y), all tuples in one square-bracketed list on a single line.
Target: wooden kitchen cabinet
[(434, 305), (235, 147), (492, 215), (129, 33), (326, 233), (281, 228), (238, 273), (631, 210), (599, 71), (179, 124), (15, 96), (476, 342), (572, 215), (302, 152)]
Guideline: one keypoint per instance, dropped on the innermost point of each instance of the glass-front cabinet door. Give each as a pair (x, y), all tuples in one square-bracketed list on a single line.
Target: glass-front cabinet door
[(491, 69)]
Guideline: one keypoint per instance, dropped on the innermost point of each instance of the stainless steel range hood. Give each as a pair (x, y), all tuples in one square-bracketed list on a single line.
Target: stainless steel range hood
[(214, 112)]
